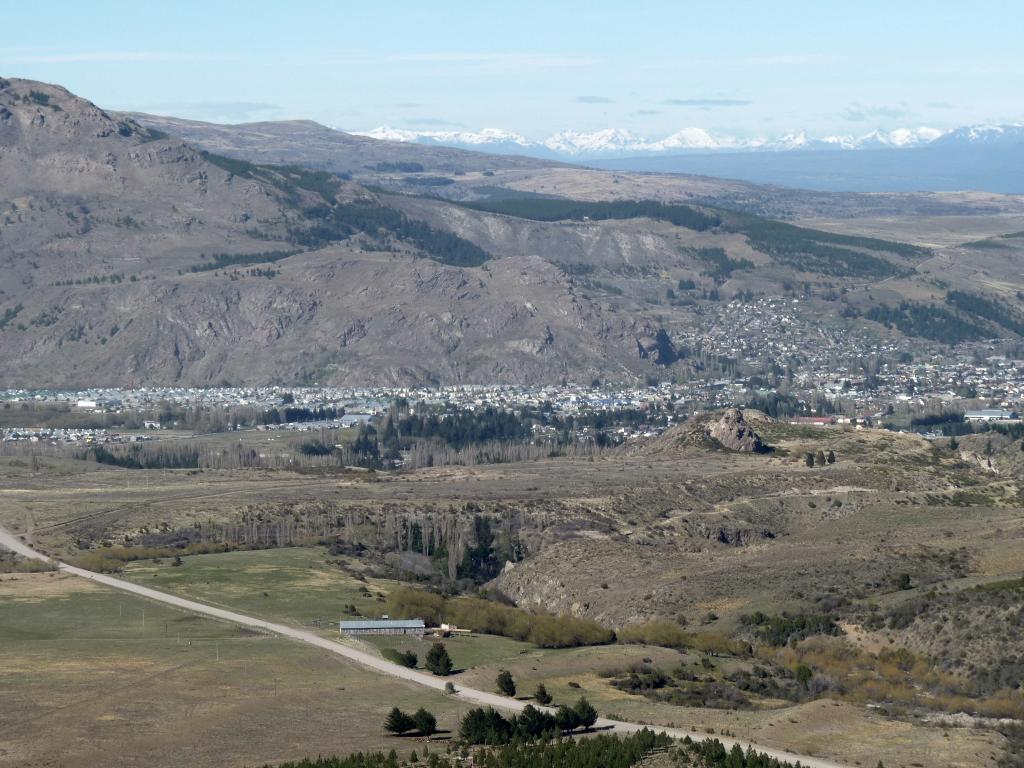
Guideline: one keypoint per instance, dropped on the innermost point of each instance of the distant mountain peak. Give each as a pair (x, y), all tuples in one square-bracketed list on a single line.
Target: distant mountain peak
[(619, 142), (486, 136), (1009, 133)]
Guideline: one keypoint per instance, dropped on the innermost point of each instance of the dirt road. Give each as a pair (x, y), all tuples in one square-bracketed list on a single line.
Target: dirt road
[(473, 695)]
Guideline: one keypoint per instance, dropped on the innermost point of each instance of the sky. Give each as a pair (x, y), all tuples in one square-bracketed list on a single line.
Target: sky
[(746, 69)]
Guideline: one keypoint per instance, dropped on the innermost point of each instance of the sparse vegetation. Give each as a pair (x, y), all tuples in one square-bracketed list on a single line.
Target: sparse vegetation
[(719, 266), (988, 309), (927, 321), (223, 260), (405, 658), (551, 209), (786, 628), (824, 253)]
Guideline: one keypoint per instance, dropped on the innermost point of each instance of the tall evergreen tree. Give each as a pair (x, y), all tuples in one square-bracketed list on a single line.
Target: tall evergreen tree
[(541, 695), (586, 713), (398, 722), (505, 684), (567, 718), (425, 722), (438, 661)]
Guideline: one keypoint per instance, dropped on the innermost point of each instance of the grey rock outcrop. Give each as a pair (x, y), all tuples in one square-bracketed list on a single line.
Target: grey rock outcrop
[(732, 431)]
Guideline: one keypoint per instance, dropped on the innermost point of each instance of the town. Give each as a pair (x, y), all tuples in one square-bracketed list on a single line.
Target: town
[(872, 383)]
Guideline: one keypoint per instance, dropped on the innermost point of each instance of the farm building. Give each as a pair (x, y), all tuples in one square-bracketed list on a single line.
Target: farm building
[(815, 421), (383, 627), (990, 414)]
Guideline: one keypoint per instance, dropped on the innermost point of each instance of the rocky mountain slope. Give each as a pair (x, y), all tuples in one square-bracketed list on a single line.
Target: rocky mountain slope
[(317, 146), (131, 257)]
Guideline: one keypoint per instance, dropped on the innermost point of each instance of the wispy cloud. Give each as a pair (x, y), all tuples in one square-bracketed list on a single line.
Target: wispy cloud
[(646, 112), (112, 57), (940, 105), (860, 113), (706, 103), (437, 122), (734, 63), (492, 63), (215, 111), (594, 100)]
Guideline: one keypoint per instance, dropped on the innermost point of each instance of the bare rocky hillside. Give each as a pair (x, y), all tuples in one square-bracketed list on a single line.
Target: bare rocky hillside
[(131, 257)]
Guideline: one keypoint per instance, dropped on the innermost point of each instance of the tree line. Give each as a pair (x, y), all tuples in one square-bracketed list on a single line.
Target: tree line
[(331, 222), (544, 630), (988, 309), (292, 414), (488, 726), (600, 751), (556, 209), (826, 253), (930, 322)]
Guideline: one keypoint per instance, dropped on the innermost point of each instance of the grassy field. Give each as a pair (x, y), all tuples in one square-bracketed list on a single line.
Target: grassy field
[(851, 734), (468, 652), (87, 683), (80, 659), (302, 584), (706, 537), (296, 585)]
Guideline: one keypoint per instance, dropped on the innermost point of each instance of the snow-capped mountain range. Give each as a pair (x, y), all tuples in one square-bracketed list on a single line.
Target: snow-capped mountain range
[(614, 142)]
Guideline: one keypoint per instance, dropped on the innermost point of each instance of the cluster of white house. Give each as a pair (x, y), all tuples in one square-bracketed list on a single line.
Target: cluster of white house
[(991, 414)]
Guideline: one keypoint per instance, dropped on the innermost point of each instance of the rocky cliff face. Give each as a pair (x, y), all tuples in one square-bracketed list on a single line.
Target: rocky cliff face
[(732, 431), (732, 428)]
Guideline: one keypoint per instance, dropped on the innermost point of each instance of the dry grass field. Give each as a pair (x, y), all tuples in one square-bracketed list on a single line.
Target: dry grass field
[(86, 683), (708, 536)]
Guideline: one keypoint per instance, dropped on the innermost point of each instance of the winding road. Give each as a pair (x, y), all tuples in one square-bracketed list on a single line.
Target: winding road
[(473, 695)]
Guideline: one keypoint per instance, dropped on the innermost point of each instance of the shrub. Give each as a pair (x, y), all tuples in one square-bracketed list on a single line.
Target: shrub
[(780, 630), (666, 634), (544, 630), (541, 695), (505, 684), (405, 658)]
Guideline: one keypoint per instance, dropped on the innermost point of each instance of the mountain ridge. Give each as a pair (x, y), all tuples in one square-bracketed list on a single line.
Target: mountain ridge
[(130, 257), (617, 142)]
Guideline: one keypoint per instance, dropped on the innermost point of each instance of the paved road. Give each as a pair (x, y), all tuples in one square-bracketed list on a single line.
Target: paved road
[(473, 695)]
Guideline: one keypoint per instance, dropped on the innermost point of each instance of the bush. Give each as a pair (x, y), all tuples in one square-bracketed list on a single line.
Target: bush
[(543, 630), (780, 630), (666, 634), (541, 695), (405, 658), (504, 684)]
